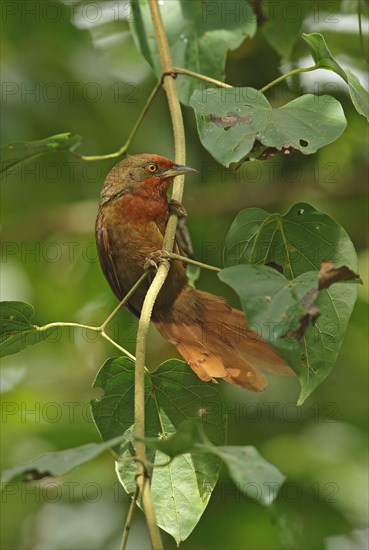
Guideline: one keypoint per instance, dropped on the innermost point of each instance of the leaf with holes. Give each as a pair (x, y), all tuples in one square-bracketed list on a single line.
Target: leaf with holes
[(238, 124), (181, 490), (16, 330), (199, 35), (271, 300), (279, 309), (296, 243), (13, 154), (324, 60)]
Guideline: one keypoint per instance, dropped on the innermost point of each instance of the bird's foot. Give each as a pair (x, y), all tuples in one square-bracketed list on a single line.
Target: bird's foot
[(175, 207), (154, 259)]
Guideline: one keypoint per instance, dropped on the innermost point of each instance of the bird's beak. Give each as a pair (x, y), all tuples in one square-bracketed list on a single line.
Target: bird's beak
[(178, 170)]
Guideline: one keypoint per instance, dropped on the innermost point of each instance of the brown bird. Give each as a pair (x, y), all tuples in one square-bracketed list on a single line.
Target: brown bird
[(212, 337)]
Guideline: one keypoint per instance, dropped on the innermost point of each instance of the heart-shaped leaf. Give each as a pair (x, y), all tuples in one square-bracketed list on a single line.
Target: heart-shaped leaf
[(271, 301), (238, 124), (279, 309), (181, 490), (294, 244)]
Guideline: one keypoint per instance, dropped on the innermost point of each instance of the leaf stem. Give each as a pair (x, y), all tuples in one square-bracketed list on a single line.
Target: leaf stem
[(200, 76), (129, 519), (153, 393), (284, 76), (115, 344), (174, 256), (66, 324), (124, 147), (125, 299), (101, 328), (89, 327)]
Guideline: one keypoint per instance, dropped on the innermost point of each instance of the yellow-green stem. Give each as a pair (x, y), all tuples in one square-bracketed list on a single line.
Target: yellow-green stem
[(284, 76)]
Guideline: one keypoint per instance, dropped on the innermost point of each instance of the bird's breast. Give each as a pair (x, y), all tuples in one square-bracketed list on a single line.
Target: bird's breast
[(134, 228), (142, 209)]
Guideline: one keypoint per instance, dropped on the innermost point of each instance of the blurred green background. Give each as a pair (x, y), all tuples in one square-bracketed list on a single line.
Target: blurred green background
[(65, 71)]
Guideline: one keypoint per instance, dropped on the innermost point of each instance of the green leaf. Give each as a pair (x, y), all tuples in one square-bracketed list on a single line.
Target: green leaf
[(321, 54), (324, 60), (359, 95), (279, 309), (246, 467), (16, 153), (239, 124), (113, 414), (58, 463), (253, 475), (110, 35), (271, 300), (199, 35), (283, 24), (294, 244), (16, 330), (181, 490)]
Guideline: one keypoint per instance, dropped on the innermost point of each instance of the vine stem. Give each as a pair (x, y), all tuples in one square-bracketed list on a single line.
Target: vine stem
[(361, 37), (130, 515), (161, 274)]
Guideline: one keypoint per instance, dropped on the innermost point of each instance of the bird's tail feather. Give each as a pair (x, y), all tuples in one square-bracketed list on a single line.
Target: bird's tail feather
[(217, 343)]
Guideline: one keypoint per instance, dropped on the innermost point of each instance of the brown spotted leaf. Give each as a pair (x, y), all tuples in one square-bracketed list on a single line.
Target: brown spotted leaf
[(239, 124), (330, 274), (299, 242)]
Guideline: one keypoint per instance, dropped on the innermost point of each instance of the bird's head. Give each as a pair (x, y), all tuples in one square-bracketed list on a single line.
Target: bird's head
[(145, 173)]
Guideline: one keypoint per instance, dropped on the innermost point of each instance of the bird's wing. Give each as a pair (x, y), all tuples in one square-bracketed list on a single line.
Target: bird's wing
[(183, 240), (107, 262)]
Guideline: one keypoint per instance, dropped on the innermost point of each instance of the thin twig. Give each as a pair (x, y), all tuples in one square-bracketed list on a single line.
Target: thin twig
[(125, 299), (130, 515), (100, 330), (116, 345), (124, 147)]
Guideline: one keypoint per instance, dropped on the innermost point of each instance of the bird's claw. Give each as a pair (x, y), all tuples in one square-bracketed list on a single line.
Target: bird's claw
[(154, 258), (175, 207)]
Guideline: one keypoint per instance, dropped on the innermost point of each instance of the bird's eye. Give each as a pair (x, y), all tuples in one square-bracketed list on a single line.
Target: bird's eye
[(152, 167)]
